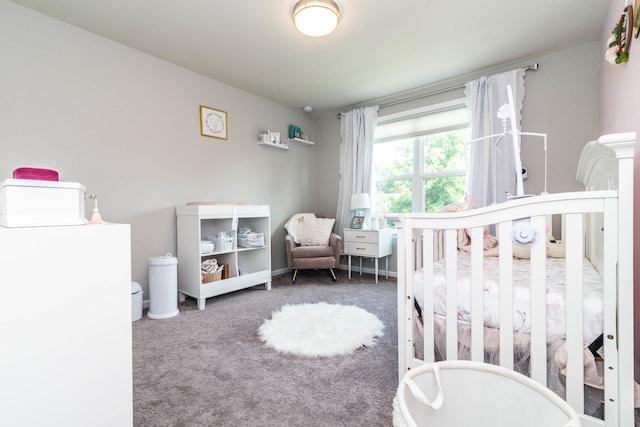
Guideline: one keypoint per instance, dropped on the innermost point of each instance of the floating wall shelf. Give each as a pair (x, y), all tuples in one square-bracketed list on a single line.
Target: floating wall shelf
[(301, 141), (281, 146)]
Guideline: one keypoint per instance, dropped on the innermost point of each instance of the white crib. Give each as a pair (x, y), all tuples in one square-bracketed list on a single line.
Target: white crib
[(596, 232)]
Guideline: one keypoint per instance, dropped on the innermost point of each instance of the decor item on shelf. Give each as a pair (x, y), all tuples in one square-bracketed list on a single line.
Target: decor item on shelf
[(294, 132), (274, 137), (359, 202), (96, 218), (357, 221), (263, 138), (36, 173), (213, 122), (320, 329), (619, 43), (316, 18)]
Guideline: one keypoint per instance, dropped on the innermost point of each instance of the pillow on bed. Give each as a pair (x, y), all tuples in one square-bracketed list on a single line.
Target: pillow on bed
[(295, 224), (316, 232)]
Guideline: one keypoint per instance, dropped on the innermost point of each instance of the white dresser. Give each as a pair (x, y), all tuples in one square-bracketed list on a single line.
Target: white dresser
[(65, 326), (368, 243)]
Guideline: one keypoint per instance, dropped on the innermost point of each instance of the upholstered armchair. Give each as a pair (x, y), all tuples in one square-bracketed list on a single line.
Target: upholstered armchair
[(311, 244)]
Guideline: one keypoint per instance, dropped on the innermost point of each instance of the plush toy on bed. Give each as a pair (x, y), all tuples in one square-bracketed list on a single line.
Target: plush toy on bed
[(555, 249), (490, 243)]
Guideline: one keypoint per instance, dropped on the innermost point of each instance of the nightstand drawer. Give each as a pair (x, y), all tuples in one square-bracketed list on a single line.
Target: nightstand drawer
[(361, 236), (363, 249)]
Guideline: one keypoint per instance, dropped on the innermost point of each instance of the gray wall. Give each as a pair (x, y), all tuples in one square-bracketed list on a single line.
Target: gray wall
[(126, 125)]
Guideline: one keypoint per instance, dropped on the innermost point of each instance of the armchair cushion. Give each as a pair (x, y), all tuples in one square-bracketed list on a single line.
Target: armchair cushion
[(294, 225), (316, 232)]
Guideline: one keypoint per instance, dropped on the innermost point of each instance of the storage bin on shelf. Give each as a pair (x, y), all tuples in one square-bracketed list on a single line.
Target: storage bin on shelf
[(251, 240), (210, 271), (211, 277)]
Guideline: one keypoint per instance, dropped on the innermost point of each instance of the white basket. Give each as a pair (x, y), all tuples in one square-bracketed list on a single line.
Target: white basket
[(251, 240), (464, 393)]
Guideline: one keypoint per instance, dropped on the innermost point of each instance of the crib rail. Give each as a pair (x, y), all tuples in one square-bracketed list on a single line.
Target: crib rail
[(423, 238)]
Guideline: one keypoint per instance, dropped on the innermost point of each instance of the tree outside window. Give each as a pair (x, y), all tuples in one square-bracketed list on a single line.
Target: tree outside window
[(421, 173)]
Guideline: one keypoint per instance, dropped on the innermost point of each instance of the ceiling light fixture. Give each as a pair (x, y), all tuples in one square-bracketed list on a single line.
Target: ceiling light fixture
[(316, 18)]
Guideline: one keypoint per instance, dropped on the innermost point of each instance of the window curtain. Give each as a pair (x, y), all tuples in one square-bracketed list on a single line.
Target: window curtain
[(356, 162), (492, 156)]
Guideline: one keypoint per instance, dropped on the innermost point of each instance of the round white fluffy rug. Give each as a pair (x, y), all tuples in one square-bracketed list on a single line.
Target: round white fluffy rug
[(320, 329)]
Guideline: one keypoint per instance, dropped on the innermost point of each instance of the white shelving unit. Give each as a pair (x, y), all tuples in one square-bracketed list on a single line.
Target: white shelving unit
[(301, 141), (247, 267)]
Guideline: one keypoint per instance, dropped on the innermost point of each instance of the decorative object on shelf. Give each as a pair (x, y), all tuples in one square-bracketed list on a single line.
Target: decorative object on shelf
[(213, 122), (294, 132), (316, 18), (96, 218), (357, 221), (619, 43), (274, 137)]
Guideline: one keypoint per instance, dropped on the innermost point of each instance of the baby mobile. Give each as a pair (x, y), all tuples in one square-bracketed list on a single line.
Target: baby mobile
[(623, 32)]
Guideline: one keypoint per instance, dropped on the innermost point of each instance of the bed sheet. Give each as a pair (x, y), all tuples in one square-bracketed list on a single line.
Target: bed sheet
[(555, 295)]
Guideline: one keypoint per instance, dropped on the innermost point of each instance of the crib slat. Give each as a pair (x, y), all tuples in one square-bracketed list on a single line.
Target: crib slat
[(611, 371), (477, 295), (451, 249), (405, 297), (539, 305), (506, 296), (428, 306), (574, 311)]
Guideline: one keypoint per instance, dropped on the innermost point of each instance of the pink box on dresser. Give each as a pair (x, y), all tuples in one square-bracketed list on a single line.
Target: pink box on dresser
[(37, 203), (36, 173)]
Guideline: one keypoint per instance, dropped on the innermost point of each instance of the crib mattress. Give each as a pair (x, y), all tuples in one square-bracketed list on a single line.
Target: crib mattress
[(555, 296)]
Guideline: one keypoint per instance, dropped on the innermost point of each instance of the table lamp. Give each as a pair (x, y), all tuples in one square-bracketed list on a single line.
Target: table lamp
[(359, 202)]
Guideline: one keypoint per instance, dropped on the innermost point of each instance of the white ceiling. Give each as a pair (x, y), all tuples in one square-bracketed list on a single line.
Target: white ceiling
[(381, 47)]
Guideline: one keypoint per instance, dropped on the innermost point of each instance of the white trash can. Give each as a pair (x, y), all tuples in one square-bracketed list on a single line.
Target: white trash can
[(136, 301), (470, 394), (163, 287)]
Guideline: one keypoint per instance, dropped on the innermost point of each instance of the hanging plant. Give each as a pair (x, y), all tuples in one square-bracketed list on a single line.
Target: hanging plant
[(619, 42)]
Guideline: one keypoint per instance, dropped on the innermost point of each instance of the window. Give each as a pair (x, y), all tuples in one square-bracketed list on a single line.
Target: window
[(420, 158)]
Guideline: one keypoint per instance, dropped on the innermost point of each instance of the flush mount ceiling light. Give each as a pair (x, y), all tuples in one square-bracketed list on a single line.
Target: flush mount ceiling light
[(316, 18)]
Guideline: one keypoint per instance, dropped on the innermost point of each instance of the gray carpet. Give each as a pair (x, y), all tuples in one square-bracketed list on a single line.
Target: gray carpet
[(209, 368)]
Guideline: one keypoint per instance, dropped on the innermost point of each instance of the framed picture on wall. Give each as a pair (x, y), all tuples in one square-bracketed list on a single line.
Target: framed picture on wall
[(213, 122), (357, 221)]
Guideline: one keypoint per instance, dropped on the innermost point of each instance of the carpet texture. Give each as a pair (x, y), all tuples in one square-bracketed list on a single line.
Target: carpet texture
[(210, 368), (320, 329)]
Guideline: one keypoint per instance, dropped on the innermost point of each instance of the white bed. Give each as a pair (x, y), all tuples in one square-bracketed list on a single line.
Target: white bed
[(497, 316)]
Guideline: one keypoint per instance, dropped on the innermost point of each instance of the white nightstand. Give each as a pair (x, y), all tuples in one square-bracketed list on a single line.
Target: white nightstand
[(368, 243)]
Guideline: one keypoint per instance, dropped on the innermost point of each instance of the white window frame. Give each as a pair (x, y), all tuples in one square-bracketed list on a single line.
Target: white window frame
[(419, 176)]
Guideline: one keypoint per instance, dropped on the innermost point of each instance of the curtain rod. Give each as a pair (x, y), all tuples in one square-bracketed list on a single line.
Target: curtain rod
[(532, 67)]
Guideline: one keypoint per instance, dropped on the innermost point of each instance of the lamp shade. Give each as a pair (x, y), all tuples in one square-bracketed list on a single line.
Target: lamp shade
[(316, 18), (360, 201)]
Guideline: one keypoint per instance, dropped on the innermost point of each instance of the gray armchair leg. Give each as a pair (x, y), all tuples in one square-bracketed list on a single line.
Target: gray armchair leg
[(333, 275), (295, 273)]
